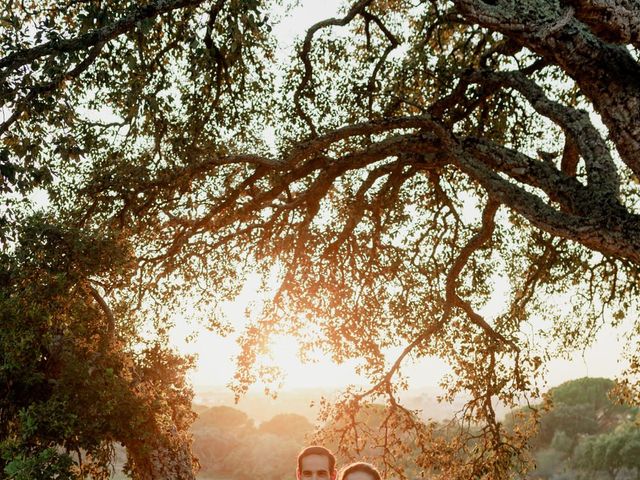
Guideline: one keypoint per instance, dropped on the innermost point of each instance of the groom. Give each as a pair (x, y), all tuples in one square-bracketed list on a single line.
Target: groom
[(316, 463)]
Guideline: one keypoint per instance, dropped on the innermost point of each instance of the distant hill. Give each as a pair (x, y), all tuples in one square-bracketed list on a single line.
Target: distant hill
[(261, 407)]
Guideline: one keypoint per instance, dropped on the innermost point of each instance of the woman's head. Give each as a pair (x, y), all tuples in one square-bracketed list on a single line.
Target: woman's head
[(360, 471)]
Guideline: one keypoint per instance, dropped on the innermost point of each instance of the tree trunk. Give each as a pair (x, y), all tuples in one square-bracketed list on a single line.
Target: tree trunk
[(164, 457)]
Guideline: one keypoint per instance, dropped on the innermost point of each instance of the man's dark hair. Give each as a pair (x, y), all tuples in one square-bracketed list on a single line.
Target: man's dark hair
[(360, 467), (317, 450)]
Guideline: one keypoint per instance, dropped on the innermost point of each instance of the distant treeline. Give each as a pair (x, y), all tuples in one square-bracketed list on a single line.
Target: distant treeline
[(229, 445), (584, 434)]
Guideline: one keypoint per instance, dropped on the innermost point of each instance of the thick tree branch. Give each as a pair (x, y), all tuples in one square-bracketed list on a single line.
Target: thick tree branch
[(615, 21), (310, 147), (606, 228), (594, 220), (601, 170), (560, 188), (609, 229), (607, 74)]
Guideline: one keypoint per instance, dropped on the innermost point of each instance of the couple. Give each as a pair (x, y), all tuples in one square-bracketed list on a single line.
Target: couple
[(318, 463)]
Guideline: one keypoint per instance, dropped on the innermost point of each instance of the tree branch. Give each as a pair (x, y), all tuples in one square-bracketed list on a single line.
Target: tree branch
[(477, 241), (357, 8), (610, 229), (24, 103), (13, 61), (601, 170), (111, 320)]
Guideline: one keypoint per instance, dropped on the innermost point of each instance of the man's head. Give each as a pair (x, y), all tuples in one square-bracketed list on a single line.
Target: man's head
[(360, 471), (316, 463)]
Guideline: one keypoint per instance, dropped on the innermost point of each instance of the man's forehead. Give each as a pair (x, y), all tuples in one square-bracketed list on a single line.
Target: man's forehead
[(315, 462)]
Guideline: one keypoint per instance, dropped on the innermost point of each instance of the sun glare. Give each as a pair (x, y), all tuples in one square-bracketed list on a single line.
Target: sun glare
[(216, 354)]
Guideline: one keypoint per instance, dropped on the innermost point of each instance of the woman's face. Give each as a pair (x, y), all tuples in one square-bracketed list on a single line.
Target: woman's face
[(359, 476)]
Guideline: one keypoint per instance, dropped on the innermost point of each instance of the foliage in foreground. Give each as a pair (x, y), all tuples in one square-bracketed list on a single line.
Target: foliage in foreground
[(75, 379)]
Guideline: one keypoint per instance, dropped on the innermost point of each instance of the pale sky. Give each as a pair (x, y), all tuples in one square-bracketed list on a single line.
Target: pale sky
[(216, 353)]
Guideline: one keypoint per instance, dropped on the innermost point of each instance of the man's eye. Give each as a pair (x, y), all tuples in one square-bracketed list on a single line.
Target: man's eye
[(306, 474), (323, 474)]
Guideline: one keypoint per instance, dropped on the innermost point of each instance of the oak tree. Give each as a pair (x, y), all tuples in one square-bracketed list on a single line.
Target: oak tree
[(406, 165)]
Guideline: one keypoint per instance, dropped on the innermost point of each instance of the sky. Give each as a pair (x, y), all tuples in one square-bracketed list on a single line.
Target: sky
[(216, 366)]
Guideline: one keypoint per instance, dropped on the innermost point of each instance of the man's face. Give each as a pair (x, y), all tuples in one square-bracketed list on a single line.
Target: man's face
[(315, 467)]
